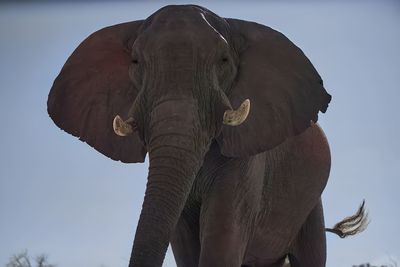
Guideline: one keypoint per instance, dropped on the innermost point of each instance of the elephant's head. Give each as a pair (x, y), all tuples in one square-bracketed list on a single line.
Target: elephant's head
[(167, 86)]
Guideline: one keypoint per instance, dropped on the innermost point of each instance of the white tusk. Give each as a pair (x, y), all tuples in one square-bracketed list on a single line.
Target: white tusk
[(237, 117), (121, 127)]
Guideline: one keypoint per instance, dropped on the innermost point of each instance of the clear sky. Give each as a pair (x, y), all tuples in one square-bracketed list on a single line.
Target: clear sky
[(61, 197)]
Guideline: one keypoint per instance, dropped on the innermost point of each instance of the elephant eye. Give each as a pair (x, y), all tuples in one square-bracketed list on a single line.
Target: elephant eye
[(224, 59), (135, 61)]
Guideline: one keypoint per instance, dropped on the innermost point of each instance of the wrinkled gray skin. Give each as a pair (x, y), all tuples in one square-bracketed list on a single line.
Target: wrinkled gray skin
[(220, 197)]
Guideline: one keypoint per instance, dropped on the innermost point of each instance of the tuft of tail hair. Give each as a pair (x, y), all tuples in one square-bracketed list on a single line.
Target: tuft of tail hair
[(351, 225)]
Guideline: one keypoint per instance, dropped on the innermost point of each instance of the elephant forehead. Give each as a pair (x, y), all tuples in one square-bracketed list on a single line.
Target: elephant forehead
[(185, 19), (215, 30), (184, 14)]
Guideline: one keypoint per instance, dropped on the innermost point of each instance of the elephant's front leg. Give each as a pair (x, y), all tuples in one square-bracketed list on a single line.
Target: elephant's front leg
[(185, 240), (229, 209)]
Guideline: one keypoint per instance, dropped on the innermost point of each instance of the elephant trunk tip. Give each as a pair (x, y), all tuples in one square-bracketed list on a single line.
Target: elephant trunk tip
[(351, 225)]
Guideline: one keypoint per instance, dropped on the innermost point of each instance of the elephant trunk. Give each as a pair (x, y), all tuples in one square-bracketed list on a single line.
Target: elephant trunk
[(174, 160)]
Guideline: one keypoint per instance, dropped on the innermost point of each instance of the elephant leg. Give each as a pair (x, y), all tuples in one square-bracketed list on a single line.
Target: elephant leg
[(185, 243), (223, 241), (309, 247), (228, 212)]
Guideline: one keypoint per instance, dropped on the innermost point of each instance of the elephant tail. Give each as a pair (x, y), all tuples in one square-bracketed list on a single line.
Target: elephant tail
[(351, 225)]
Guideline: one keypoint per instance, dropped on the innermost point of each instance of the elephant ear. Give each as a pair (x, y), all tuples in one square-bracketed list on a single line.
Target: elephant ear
[(285, 90), (93, 87)]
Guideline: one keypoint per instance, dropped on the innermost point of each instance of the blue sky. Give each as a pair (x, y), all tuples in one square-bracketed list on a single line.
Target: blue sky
[(61, 197)]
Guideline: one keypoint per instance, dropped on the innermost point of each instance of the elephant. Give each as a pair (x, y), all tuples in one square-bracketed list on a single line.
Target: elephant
[(227, 112)]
